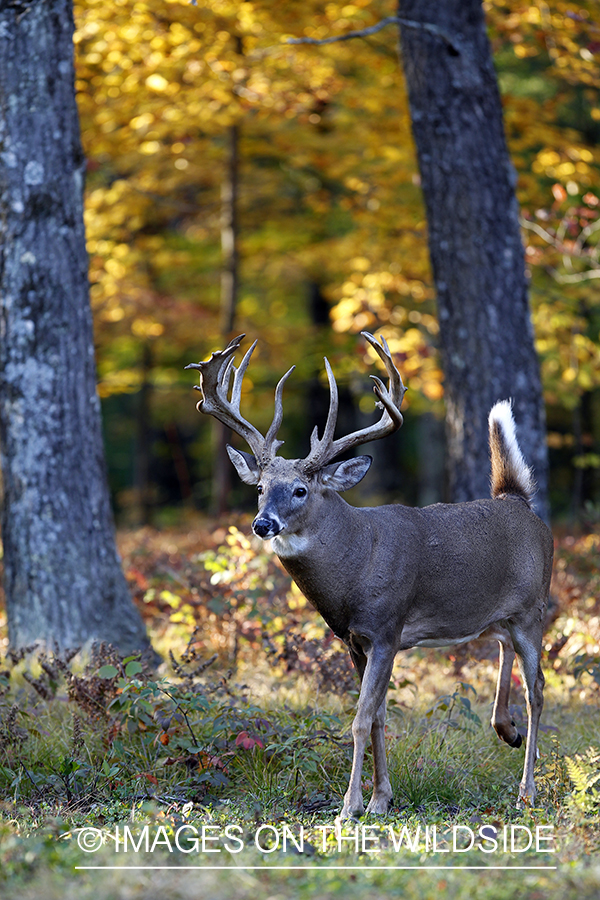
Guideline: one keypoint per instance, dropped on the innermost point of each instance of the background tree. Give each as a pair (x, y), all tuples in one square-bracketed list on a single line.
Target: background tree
[(63, 579), (477, 257)]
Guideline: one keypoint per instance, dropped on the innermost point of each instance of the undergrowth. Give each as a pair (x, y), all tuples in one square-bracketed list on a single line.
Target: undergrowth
[(247, 722)]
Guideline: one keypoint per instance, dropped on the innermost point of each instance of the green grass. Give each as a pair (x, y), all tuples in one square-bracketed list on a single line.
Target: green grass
[(228, 763)]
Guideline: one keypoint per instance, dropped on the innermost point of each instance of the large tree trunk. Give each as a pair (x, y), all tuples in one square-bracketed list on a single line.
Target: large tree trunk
[(63, 579), (475, 244)]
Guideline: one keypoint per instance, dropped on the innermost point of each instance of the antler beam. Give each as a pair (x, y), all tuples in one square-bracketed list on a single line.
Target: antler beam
[(324, 449)]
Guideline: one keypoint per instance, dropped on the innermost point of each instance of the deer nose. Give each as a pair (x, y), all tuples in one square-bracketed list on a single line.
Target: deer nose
[(266, 528)]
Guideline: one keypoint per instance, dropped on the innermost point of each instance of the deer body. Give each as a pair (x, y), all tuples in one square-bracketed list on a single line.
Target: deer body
[(391, 577), (428, 577)]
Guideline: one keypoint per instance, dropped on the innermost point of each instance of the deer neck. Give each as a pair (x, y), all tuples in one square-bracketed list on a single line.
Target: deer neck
[(321, 557)]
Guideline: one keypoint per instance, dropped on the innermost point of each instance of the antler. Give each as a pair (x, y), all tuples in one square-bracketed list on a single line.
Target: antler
[(215, 380), (324, 449)]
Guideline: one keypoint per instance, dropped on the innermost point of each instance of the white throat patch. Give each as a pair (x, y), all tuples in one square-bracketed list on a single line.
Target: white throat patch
[(289, 545)]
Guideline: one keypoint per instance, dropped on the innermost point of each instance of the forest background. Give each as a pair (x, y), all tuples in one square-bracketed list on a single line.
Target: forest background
[(237, 182)]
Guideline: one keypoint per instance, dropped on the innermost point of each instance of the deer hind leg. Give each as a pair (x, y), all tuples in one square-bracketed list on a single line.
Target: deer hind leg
[(527, 641), (374, 669), (382, 789), (502, 722)]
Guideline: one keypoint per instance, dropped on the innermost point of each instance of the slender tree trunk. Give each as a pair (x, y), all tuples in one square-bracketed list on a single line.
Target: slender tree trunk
[(229, 298), (143, 453), (64, 583), (475, 244), (229, 233), (179, 461)]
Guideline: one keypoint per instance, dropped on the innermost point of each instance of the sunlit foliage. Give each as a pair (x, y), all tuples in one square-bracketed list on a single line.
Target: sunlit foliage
[(328, 192), (329, 195)]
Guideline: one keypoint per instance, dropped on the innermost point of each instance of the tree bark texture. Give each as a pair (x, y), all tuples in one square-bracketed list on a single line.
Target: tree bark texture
[(477, 256), (64, 583)]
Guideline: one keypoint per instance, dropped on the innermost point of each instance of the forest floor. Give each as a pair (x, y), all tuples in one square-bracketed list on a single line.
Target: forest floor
[(223, 771)]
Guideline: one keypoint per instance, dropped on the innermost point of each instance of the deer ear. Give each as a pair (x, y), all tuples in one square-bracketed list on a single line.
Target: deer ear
[(344, 475), (245, 465)]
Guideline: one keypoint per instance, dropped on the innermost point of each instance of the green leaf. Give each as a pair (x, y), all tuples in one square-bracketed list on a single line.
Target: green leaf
[(108, 671), (133, 668)]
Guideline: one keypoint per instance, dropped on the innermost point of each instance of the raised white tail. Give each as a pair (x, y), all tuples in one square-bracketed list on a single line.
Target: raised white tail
[(510, 472)]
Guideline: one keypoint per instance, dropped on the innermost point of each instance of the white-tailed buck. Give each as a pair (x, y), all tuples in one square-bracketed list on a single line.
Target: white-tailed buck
[(391, 577)]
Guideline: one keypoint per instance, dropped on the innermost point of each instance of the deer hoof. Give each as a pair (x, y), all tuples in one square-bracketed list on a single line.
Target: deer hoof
[(346, 817), (379, 806), (351, 811), (525, 801)]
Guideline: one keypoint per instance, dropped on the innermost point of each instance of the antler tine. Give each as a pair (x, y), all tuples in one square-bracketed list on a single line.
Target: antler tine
[(238, 377), (333, 405), (215, 379), (319, 447), (231, 347), (389, 399), (224, 378), (271, 444)]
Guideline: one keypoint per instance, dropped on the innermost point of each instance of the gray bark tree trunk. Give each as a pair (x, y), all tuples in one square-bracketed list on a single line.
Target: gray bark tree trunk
[(477, 257), (63, 578)]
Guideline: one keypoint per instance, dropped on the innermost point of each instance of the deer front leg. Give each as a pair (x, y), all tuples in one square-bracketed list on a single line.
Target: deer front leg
[(370, 720), (382, 789)]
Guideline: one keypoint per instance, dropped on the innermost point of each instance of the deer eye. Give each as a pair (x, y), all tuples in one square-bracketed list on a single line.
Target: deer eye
[(300, 492), (259, 489)]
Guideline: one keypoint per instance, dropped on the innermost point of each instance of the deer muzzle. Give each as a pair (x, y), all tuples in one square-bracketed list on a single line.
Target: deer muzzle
[(266, 527)]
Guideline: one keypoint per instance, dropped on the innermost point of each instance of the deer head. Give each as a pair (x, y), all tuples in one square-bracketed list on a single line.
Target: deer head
[(288, 488)]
